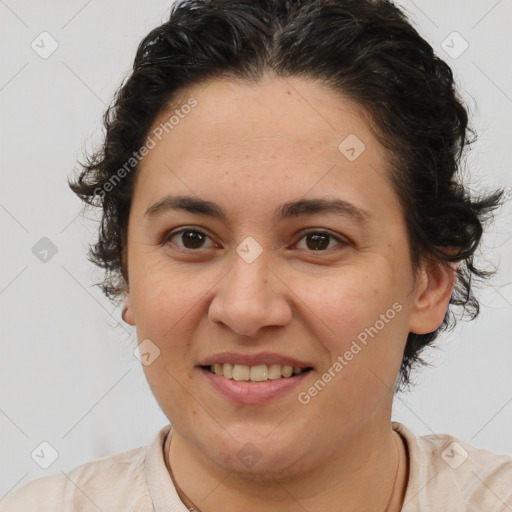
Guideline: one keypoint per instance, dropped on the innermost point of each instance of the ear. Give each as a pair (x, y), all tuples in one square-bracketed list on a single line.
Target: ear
[(128, 315), (432, 294)]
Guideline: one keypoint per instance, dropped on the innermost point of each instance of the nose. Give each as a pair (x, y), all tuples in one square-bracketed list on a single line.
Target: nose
[(249, 297)]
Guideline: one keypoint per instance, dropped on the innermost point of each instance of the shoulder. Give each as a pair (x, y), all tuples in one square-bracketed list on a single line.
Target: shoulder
[(42, 494), (450, 474), (101, 484)]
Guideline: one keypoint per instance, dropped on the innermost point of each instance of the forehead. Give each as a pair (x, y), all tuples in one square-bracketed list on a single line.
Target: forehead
[(274, 113), (269, 137)]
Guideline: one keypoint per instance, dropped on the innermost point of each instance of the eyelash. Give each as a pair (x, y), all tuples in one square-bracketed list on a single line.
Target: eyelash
[(172, 234)]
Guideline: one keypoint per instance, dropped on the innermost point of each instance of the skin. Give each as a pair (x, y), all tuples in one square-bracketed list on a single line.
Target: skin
[(250, 147)]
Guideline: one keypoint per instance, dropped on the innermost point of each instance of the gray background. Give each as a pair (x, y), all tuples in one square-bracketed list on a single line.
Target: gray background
[(68, 374)]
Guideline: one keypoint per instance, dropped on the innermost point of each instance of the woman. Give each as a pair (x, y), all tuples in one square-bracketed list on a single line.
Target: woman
[(283, 218)]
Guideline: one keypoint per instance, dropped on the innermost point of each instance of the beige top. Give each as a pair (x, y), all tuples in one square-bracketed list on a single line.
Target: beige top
[(445, 475)]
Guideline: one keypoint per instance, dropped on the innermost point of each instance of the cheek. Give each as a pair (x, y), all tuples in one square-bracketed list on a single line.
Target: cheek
[(364, 341), (163, 294), (161, 314), (170, 387), (347, 302)]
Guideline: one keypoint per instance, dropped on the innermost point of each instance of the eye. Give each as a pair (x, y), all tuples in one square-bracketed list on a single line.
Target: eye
[(190, 238), (320, 240), (193, 239)]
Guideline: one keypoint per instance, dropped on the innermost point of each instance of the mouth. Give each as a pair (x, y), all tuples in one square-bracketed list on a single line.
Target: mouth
[(257, 373)]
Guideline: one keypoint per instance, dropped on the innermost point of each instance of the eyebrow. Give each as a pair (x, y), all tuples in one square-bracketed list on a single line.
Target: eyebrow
[(287, 210)]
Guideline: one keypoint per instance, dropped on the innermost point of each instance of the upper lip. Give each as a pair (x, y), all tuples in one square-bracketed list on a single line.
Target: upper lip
[(253, 359)]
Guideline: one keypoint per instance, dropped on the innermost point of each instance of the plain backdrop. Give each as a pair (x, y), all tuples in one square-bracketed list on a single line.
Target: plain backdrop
[(68, 373)]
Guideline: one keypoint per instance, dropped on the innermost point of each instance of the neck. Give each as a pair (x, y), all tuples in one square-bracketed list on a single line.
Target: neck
[(369, 474)]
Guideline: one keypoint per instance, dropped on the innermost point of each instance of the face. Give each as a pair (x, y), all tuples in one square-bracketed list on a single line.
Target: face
[(299, 258)]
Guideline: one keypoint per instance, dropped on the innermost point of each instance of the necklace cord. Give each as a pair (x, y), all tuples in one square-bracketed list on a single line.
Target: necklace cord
[(396, 476)]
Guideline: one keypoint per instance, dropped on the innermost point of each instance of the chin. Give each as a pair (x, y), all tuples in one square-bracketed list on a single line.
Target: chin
[(257, 457)]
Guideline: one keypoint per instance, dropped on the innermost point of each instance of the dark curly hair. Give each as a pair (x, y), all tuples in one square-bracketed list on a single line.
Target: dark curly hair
[(366, 50)]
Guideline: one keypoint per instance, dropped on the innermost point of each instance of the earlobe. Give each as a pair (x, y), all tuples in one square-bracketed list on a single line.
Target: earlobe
[(432, 295), (127, 314)]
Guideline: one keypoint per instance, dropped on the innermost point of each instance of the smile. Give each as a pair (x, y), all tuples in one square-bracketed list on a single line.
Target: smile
[(258, 373)]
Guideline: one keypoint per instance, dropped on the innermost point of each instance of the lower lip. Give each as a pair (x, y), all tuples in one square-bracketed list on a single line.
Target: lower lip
[(253, 393)]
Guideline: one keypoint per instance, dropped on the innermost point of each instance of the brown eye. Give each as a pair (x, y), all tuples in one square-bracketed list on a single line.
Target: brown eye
[(189, 238), (320, 240)]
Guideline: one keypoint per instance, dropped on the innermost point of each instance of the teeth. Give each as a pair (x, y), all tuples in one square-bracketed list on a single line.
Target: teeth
[(227, 370), (241, 372), (259, 373), (286, 371), (274, 371), (254, 373)]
